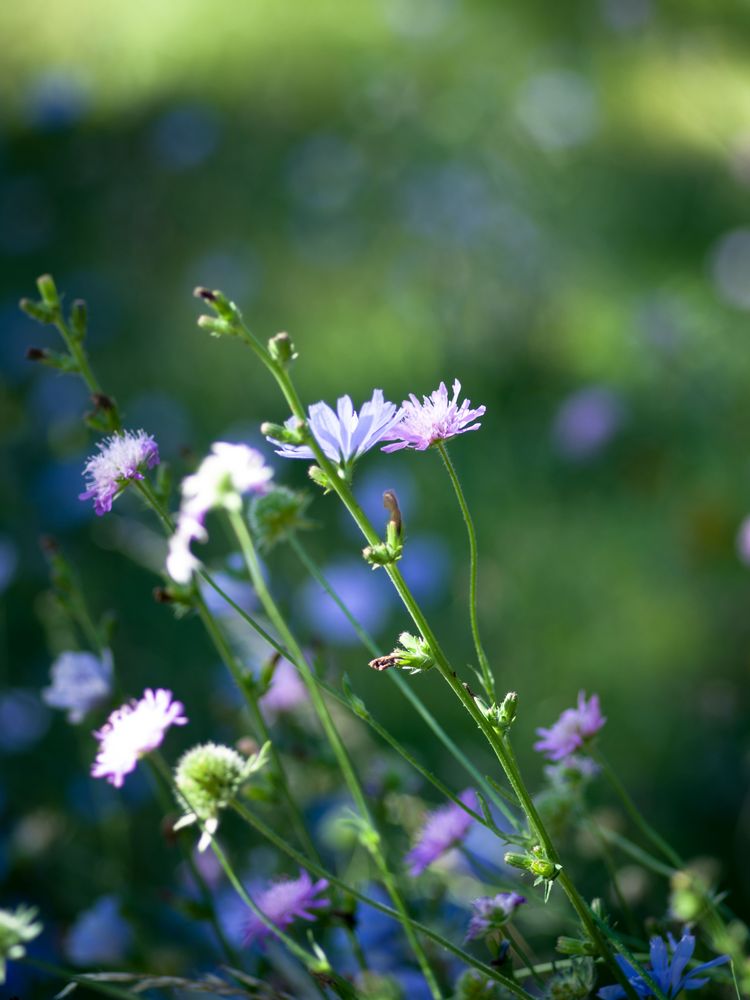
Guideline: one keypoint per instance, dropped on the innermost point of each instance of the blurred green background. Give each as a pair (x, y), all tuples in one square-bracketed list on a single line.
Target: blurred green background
[(547, 201)]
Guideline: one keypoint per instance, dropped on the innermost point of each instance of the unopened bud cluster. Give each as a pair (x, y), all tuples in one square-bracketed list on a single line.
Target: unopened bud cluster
[(536, 862), (276, 516), (413, 655)]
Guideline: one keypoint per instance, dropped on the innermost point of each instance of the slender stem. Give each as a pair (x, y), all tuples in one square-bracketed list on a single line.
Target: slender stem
[(484, 664), (78, 977), (247, 547), (634, 813), (404, 687), (636, 852), (341, 487), (321, 872), (78, 353)]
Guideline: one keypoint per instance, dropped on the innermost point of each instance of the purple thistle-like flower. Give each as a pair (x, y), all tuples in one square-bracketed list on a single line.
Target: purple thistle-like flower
[(572, 730), (133, 730), (284, 902), (222, 478), (436, 418), (122, 458), (80, 682), (490, 913), (667, 969), (345, 434), (442, 829)]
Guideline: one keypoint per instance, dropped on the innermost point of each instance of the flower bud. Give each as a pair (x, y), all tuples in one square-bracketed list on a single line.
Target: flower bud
[(414, 655), (216, 326), (535, 862), (506, 712), (293, 431), (79, 319), (575, 946), (320, 478), (37, 310), (219, 302), (282, 349), (390, 551), (276, 516), (48, 291), (17, 928)]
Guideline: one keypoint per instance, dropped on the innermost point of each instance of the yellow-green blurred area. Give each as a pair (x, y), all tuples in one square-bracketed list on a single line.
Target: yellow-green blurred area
[(548, 201)]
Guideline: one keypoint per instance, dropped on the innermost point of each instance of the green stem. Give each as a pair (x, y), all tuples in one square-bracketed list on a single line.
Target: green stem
[(78, 977), (271, 609), (341, 487), (321, 872), (404, 687), (484, 664), (78, 353)]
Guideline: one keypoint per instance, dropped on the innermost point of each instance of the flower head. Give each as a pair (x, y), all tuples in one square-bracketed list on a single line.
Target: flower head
[(208, 777), (222, 478), (100, 935), (669, 960), (572, 730), (284, 902), (122, 458), (133, 730), (80, 682), (436, 418), (285, 692), (491, 913), (442, 829), (17, 927), (345, 434)]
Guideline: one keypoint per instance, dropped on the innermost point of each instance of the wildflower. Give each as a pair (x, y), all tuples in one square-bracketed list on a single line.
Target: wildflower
[(572, 770), (666, 970), (586, 421), (443, 829), (491, 913), (133, 730), (100, 935), (436, 418), (17, 928), (208, 778), (122, 458), (284, 902), (344, 435), (574, 728), (80, 682), (277, 515), (222, 478), (368, 598)]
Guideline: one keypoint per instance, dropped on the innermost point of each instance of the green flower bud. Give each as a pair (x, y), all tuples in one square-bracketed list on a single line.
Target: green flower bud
[(38, 310), (320, 478), (473, 986), (575, 946), (79, 319), (414, 656), (216, 326), (506, 711), (17, 928), (390, 551), (575, 983), (282, 349), (208, 778), (276, 516), (48, 291)]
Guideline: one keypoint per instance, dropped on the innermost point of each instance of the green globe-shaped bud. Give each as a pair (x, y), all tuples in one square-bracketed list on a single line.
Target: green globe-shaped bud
[(278, 515)]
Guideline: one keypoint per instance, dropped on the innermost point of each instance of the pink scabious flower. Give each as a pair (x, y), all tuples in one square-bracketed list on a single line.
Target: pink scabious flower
[(133, 730), (345, 434), (490, 913), (574, 728), (443, 828), (285, 901), (122, 458), (436, 418), (221, 480)]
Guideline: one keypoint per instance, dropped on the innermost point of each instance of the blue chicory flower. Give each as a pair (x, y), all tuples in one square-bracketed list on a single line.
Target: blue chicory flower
[(667, 971)]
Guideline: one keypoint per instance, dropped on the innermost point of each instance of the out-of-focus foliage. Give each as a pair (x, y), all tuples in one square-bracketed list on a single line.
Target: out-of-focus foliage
[(548, 201)]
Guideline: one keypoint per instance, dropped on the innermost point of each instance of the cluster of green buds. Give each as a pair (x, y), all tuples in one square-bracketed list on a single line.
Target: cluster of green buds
[(227, 318), (208, 777), (277, 515), (473, 986), (502, 716), (390, 551), (536, 863), (413, 655), (294, 431), (17, 928)]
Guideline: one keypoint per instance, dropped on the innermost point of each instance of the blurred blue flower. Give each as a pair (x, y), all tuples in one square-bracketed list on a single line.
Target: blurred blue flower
[(426, 567), (730, 268), (185, 137), (8, 562), (55, 100), (80, 682), (367, 595), (100, 935), (668, 969), (56, 401), (24, 720), (586, 421), (240, 591)]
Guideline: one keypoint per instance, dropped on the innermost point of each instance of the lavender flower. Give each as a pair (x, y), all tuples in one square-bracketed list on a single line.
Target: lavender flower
[(222, 478), (100, 935), (436, 418), (345, 434), (491, 913), (284, 902), (122, 458), (586, 421), (667, 970), (133, 730), (442, 829), (285, 692), (572, 730), (80, 682)]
